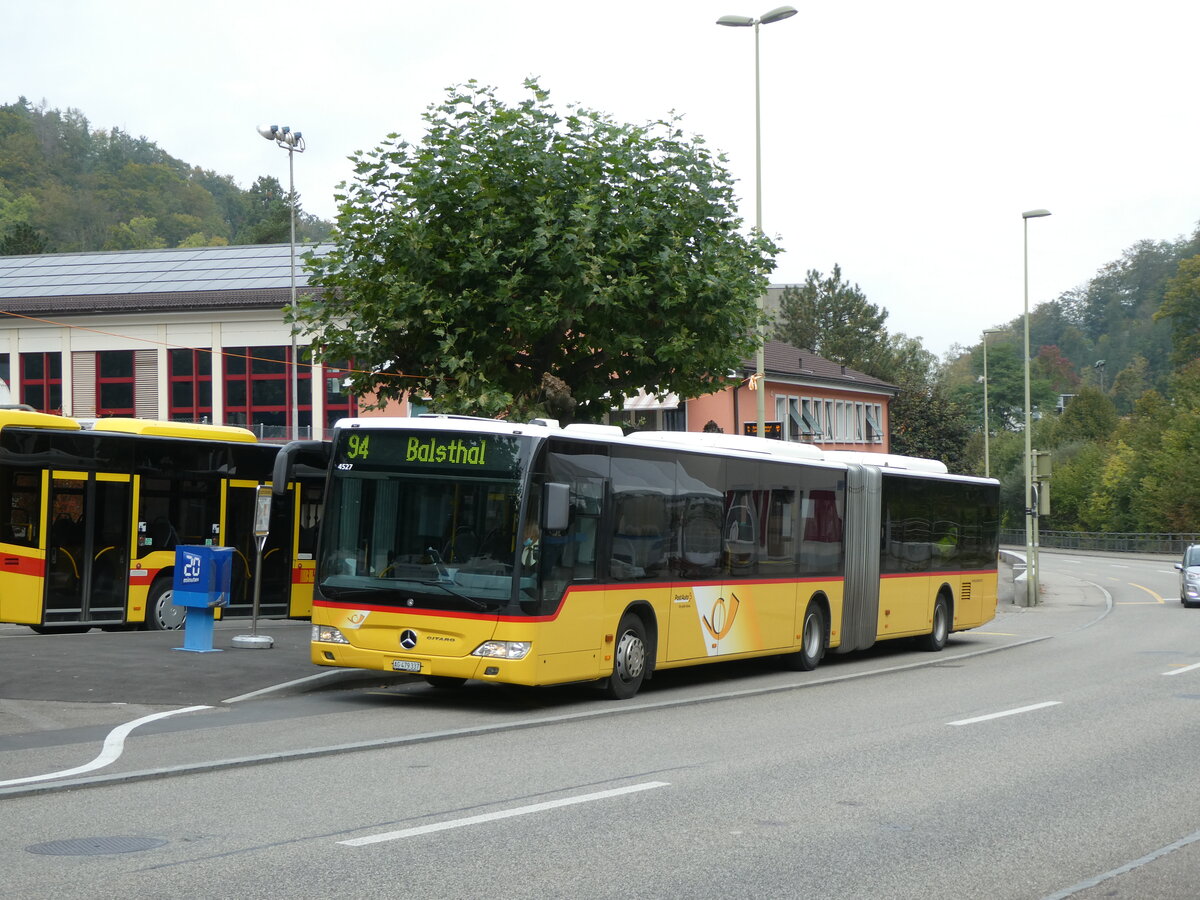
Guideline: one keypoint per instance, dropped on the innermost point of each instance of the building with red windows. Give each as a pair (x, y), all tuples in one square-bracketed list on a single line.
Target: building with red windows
[(192, 334), (198, 334)]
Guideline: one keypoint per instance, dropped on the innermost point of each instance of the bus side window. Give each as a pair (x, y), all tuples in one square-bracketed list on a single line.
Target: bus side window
[(20, 502)]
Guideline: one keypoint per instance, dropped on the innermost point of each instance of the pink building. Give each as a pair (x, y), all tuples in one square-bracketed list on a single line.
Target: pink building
[(808, 399)]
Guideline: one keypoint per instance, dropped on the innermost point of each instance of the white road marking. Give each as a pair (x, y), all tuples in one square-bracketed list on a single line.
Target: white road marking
[(1128, 867), (501, 814), (114, 746), (1183, 669), (285, 684), (1007, 712)]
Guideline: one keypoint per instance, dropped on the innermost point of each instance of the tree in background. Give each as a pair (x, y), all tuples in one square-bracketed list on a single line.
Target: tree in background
[(832, 318), (1088, 416), (1181, 305), (22, 239), (517, 242)]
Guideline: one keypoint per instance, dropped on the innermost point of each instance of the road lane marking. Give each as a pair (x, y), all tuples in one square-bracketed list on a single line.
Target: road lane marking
[(1007, 712), (1157, 597), (1183, 669), (1128, 867), (285, 684), (114, 746), (501, 814)]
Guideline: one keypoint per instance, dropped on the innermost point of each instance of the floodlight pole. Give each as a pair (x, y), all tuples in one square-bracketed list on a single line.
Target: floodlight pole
[(293, 143), (1031, 550), (775, 15)]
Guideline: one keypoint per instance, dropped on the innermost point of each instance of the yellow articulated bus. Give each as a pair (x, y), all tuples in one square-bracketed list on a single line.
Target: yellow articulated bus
[(90, 518), (456, 548)]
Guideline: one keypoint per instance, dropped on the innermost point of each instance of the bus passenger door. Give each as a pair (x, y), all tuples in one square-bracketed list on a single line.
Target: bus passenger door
[(65, 561), (110, 535), (87, 548), (238, 533)]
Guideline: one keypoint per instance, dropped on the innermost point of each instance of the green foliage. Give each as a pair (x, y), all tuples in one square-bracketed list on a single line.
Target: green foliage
[(1089, 416), (832, 318), (1181, 304), (926, 423), (1077, 470), (521, 260), (75, 188), (22, 239)]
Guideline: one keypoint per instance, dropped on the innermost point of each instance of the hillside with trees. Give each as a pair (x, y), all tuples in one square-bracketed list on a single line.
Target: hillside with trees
[(1114, 384), (66, 186), (1115, 388)]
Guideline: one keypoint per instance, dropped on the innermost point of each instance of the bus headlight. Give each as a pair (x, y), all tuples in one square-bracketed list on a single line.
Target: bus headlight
[(327, 634), (503, 649)]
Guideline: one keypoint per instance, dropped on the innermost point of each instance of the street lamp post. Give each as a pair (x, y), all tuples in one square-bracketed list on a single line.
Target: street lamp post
[(776, 15), (987, 461), (293, 143), (1031, 559)]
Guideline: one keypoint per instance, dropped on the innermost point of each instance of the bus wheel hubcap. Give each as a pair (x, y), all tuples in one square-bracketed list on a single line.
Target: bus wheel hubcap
[(631, 657)]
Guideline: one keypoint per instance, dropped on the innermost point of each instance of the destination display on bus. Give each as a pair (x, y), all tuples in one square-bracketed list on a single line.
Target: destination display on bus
[(435, 452)]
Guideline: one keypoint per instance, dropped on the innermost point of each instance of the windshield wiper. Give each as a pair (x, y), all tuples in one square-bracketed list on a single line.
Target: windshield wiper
[(336, 593)]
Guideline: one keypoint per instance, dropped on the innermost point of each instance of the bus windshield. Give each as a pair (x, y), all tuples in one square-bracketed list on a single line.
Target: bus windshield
[(424, 520)]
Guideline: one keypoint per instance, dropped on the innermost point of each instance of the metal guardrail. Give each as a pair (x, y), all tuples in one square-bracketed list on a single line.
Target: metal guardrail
[(1112, 542)]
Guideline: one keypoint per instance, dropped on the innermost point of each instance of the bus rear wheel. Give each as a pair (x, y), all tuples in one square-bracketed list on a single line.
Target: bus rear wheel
[(936, 639), (161, 612), (812, 640), (629, 659)]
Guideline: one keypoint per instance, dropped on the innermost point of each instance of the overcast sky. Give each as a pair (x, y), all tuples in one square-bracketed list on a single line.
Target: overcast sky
[(901, 140)]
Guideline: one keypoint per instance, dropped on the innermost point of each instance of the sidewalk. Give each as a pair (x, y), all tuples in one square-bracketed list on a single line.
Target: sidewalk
[(147, 668)]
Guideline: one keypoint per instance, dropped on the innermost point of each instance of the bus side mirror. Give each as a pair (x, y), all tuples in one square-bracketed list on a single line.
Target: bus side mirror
[(557, 514)]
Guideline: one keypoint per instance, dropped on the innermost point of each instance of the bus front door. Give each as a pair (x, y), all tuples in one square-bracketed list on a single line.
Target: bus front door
[(87, 549), (276, 573)]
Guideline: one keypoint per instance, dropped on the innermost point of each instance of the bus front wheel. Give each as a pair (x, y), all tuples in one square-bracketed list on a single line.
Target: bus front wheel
[(629, 659), (161, 612)]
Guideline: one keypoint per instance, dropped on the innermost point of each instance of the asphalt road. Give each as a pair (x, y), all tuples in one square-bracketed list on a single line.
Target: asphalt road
[(1043, 755)]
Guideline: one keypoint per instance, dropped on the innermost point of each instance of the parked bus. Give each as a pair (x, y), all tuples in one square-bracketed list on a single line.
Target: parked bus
[(90, 518), (455, 548)]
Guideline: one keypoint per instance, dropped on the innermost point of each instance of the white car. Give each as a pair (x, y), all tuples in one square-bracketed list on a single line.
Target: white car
[(1189, 576)]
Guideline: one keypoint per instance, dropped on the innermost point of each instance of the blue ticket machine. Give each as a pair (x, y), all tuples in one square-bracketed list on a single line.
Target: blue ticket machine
[(203, 576)]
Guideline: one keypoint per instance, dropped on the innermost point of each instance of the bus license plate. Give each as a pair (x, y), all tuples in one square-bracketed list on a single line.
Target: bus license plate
[(406, 665)]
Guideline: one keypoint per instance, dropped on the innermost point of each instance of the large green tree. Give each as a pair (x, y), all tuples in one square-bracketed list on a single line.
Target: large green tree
[(521, 260)]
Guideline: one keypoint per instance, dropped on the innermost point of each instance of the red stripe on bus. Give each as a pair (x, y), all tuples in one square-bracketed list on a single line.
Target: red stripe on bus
[(16, 564), (575, 589)]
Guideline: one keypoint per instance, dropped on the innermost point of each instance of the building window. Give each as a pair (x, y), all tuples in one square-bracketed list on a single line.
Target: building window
[(339, 402), (41, 381), (258, 386), (189, 377), (114, 383), (874, 417)]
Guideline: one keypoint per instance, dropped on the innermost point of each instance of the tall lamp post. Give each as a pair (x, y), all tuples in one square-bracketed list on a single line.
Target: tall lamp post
[(776, 15), (987, 460), (293, 143), (1031, 559)]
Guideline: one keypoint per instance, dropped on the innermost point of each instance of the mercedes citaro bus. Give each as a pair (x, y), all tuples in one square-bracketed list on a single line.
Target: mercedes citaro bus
[(456, 548)]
